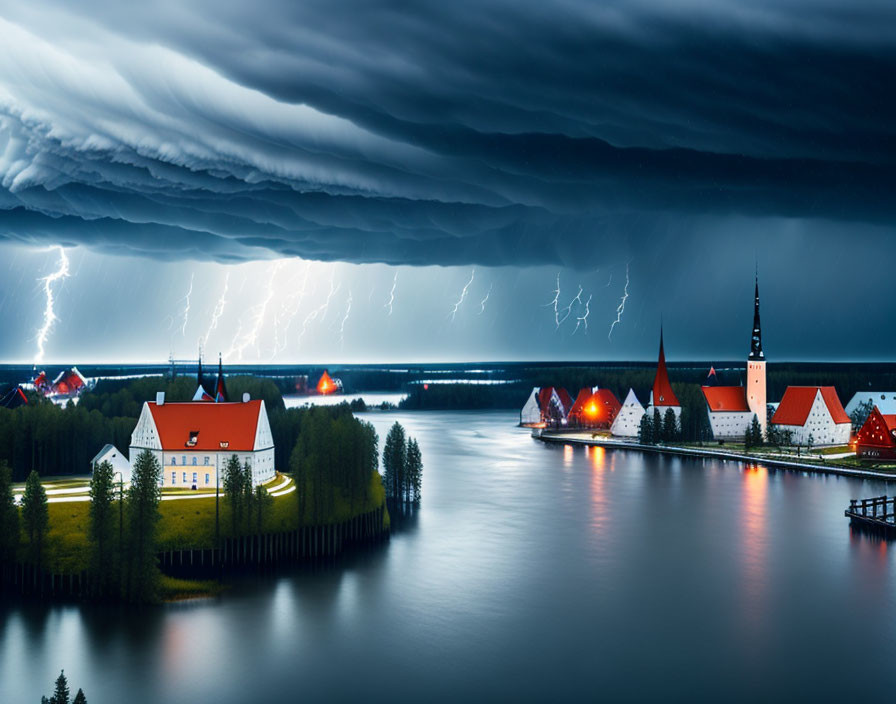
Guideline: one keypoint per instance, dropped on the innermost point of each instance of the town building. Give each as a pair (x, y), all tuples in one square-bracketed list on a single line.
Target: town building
[(884, 400), (813, 415), (876, 439), (116, 458), (193, 441), (628, 420), (662, 397), (731, 408), (594, 408), (530, 415)]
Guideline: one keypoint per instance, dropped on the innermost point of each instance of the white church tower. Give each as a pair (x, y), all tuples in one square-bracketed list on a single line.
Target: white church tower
[(756, 398)]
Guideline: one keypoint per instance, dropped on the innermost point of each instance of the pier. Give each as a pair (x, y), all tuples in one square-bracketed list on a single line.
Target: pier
[(878, 513)]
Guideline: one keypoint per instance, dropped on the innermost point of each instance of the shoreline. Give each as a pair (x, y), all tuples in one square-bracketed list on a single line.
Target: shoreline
[(561, 438)]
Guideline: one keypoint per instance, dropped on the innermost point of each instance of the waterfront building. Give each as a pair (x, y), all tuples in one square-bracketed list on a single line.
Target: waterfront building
[(530, 415), (884, 400), (662, 397), (116, 458), (193, 441), (731, 408), (628, 420), (876, 439), (594, 408), (813, 413)]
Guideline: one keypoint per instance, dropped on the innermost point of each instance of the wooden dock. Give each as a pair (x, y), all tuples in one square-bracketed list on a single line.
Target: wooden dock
[(877, 513)]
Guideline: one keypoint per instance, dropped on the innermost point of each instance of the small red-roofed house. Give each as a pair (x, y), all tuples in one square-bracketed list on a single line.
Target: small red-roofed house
[(594, 409), (876, 439), (729, 412), (193, 441), (813, 413)]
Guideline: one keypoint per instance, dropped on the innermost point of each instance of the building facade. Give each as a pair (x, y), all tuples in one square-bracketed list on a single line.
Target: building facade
[(813, 415), (193, 441), (628, 420)]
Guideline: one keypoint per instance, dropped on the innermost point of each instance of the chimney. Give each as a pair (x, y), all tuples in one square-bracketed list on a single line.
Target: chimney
[(160, 398), (246, 397)]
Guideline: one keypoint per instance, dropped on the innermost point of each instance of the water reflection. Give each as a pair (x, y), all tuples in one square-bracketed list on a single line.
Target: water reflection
[(530, 573)]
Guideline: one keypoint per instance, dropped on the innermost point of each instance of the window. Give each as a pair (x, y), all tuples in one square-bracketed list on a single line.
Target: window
[(174, 477), (206, 460), (183, 459), (185, 477), (173, 461), (194, 460), (195, 477), (206, 475)]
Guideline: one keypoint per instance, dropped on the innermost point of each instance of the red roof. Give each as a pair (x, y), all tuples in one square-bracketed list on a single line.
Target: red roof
[(878, 430), (212, 424), (797, 402), (581, 401), (662, 389), (726, 398)]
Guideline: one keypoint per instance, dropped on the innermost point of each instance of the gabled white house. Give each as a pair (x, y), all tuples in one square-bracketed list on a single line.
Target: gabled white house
[(884, 400), (813, 412), (531, 413), (628, 420), (193, 441), (116, 458)]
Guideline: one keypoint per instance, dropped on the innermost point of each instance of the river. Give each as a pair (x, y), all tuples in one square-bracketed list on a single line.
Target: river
[(531, 572)]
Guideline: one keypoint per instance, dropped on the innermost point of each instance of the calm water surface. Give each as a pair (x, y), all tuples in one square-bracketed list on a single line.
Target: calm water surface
[(531, 573)]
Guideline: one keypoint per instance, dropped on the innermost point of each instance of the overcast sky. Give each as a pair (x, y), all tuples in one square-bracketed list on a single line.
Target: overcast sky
[(281, 154)]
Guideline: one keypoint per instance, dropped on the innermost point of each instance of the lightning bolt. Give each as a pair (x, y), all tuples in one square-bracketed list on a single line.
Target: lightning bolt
[(620, 309), (333, 290), (484, 301), (582, 320), (568, 309), (219, 308), (348, 310), (186, 311), (556, 302), (463, 295), (392, 294), (49, 310), (259, 312), (290, 307), (312, 316)]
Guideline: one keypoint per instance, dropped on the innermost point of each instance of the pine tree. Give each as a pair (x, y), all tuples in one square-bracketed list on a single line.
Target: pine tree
[(413, 471), (9, 517), (670, 426), (102, 524), (61, 694), (233, 490), (645, 430), (80, 698), (248, 495), (755, 432), (263, 500), (143, 516), (35, 515), (394, 452), (657, 423)]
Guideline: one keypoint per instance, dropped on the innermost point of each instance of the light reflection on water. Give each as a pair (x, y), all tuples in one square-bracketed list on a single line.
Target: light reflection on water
[(532, 572)]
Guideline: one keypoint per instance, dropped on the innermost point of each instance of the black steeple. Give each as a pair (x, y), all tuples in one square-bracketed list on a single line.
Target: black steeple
[(199, 372), (756, 354), (220, 388)]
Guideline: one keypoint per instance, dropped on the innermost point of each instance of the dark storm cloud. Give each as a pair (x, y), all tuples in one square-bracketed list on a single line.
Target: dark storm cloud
[(462, 132)]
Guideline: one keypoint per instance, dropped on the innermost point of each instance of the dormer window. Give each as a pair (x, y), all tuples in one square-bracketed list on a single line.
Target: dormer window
[(224, 444), (194, 438)]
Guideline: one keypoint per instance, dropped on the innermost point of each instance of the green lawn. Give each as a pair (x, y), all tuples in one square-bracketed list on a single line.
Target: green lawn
[(184, 524)]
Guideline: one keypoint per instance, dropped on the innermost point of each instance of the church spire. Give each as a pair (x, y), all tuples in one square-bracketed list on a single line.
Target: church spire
[(756, 354)]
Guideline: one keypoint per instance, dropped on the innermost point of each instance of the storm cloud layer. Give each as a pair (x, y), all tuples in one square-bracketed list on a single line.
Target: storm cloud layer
[(440, 133)]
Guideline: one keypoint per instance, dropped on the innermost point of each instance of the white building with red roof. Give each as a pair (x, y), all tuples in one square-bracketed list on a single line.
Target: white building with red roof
[(193, 441), (662, 397), (813, 413), (731, 408)]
